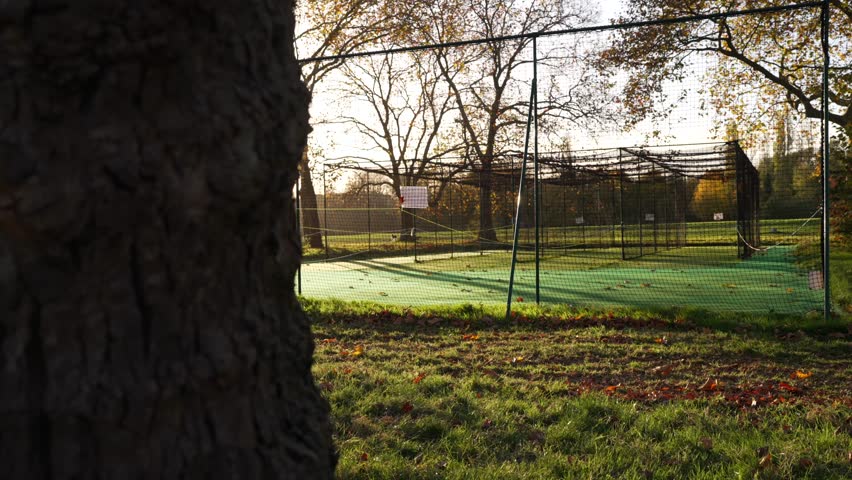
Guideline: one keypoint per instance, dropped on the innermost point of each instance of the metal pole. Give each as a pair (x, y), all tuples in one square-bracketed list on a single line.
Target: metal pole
[(450, 207), (826, 203), (325, 211), (369, 222), (621, 204), (517, 231), (537, 179), (299, 220)]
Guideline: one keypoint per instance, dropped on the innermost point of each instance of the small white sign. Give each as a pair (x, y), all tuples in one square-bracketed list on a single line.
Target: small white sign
[(718, 216), (649, 217), (579, 220), (815, 280), (414, 197)]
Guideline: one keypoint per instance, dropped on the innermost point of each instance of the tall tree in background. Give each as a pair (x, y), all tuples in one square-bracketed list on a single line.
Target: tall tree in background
[(327, 28), (490, 81), (148, 246), (401, 106), (766, 62)]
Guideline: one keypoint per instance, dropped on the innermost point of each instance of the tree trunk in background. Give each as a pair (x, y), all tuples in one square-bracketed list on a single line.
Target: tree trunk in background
[(308, 202), (148, 245)]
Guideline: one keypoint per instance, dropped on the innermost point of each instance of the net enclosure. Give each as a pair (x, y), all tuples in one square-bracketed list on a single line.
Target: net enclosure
[(635, 165), (650, 226)]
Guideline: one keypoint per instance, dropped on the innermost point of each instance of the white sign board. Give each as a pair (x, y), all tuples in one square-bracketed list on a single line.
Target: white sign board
[(579, 220), (649, 217), (815, 280), (414, 197), (718, 216)]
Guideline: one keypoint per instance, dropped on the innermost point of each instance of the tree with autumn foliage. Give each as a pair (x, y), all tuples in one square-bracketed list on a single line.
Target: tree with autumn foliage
[(766, 62)]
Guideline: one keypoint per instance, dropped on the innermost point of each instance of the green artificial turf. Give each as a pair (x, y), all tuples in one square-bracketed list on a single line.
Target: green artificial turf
[(702, 277)]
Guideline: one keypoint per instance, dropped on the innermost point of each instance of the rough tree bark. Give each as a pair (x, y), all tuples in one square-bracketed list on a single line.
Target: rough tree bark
[(148, 326), (308, 202)]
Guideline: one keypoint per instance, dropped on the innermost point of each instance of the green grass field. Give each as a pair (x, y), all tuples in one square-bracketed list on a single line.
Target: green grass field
[(457, 393), (702, 277)]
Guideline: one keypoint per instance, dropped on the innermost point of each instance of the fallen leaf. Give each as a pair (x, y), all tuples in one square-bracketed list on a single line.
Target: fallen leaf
[(806, 463), (663, 370), (707, 443), (419, 377), (765, 461), (470, 337), (517, 359), (358, 351), (662, 340), (364, 457), (611, 389), (329, 340), (710, 385), (407, 407), (383, 294), (762, 451), (787, 428), (487, 423), (798, 374), (520, 299)]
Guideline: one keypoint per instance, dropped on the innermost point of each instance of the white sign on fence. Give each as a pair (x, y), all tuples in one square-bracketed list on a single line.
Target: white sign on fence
[(649, 217), (579, 220), (414, 197), (718, 216)]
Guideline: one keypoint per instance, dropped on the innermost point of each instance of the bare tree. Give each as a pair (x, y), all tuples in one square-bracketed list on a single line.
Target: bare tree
[(490, 81), (328, 28), (407, 105), (148, 246)]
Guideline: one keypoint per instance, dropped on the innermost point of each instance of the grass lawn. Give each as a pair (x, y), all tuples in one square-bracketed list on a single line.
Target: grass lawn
[(566, 393)]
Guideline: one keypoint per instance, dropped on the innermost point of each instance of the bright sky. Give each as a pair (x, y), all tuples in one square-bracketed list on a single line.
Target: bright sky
[(686, 122)]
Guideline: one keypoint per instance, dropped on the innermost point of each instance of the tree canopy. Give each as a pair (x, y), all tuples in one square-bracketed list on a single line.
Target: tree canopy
[(766, 62)]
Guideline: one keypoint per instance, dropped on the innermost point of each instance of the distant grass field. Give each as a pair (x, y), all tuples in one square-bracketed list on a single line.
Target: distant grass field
[(457, 393)]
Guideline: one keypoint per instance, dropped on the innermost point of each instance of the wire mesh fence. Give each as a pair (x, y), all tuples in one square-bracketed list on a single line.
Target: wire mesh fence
[(619, 197)]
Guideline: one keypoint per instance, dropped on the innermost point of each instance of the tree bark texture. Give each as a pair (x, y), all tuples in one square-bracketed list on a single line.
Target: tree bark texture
[(308, 202), (148, 244)]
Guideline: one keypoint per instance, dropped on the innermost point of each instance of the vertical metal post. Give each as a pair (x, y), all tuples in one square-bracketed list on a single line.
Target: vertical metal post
[(612, 211), (621, 204), (641, 210), (325, 212), (414, 231), (516, 231), (450, 207), (826, 188), (583, 212), (369, 222), (537, 179), (301, 239), (654, 201)]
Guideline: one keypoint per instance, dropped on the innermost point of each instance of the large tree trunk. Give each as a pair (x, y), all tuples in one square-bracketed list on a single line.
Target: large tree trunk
[(308, 203), (148, 325)]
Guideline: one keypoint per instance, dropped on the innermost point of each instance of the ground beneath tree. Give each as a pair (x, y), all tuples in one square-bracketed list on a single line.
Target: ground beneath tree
[(422, 396)]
